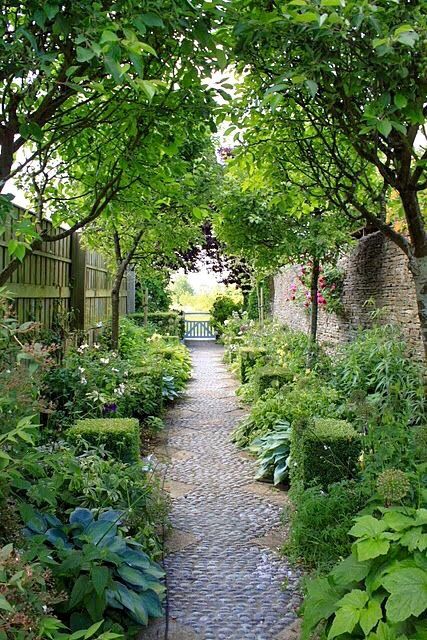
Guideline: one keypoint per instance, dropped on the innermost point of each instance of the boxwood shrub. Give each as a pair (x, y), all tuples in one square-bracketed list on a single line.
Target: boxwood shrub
[(119, 436), (271, 377), (323, 451)]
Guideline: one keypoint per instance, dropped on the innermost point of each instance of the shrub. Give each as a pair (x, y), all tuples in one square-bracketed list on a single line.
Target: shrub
[(272, 453), (222, 309), (323, 451), (380, 590), (100, 570), (119, 436), (165, 322), (320, 522), (62, 480), (304, 399), (271, 377), (249, 357)]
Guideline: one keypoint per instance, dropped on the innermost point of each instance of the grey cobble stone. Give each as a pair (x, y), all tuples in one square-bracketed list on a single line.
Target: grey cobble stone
[(223, 587)]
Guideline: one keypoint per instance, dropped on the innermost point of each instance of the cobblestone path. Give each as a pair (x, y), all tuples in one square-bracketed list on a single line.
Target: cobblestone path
[(225, 581)]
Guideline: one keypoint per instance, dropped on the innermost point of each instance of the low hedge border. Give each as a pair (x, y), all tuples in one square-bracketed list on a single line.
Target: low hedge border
[(120, 436), (324, 451), (268, 377)]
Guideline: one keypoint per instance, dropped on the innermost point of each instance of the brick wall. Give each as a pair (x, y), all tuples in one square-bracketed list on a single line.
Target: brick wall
[(375, 269)]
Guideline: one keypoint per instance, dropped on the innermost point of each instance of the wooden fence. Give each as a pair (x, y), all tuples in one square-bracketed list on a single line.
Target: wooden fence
[(62, 283)]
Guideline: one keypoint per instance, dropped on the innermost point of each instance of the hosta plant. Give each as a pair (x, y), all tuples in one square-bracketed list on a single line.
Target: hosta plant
[(102, 571), (273, 453), (380, 591)]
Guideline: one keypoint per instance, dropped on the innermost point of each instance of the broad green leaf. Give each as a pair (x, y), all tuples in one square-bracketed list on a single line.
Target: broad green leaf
[(345, 620), (355, 598), (350, 570), (400, 100), (108, 36), (367, 526), (312, 86), (79, 590), (84, 54), (371, 548), (100, 578), (370, 616), (320, 603), (408, 593), (4, 604), (151, 20), (148, 88), (384, 127)]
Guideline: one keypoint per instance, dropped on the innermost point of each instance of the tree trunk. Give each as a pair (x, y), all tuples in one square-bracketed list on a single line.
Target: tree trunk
[(115, 306), (418, 268), (314, 308), (417, 256)]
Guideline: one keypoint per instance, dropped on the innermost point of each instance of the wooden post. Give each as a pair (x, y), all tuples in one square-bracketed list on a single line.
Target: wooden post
[(78, 283), (130, 297), (261, 304)]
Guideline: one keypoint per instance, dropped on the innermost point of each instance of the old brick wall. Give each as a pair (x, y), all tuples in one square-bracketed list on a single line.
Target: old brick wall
[(376, 270)]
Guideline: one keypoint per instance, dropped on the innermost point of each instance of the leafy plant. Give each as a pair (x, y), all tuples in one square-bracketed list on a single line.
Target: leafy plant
[(273, 453), (222, 309), (379, 591), (102, 571)]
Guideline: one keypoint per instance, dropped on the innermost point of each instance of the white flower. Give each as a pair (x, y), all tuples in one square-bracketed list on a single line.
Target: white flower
[(119, 391), (125, 373), (83, 347), (96, 345), (81, 369), (99, 325), (115, 370), (104, 360), (83, 380)]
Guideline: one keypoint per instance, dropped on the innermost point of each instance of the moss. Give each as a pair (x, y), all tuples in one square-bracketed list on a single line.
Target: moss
[(119, 436)]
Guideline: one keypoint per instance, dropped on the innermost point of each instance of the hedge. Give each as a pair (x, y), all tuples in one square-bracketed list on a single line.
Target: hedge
[(119, 436), (323, 451), (269, 376), (165, 322), (249, 356)]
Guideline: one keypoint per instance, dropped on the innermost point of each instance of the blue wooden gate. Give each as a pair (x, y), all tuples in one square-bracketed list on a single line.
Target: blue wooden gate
[(198, 327)]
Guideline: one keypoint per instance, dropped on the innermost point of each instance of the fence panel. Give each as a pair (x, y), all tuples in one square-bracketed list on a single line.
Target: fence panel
[(60, 279)]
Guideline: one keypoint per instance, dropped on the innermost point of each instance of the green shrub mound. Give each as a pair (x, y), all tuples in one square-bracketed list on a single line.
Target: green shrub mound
[(166, 322), (324, 451), (270, 377), (119, 436), (222, 309), (249, 357)]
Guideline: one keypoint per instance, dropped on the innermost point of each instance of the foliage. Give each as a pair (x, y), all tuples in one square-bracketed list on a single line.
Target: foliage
[(295, 403), (119, 436), (269, 377), (164, 322), (324, 451), (60, 480), (380, 591), (223, 307), (27, 596), (100, 569), (320, 521), (330, 287), (252, 301), (159, 298), (273, 453)]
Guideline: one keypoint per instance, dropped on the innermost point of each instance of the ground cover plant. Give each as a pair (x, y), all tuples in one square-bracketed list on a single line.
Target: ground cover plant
[(94, 514)]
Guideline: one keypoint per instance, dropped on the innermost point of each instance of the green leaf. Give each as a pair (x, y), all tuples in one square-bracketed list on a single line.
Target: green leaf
[(408, 593), (84, 54), (108, 36), (151, 20), (345, 620), (384, 127), (355, 598), (367, 526), (350, 570), (79, 590), (408, 37), (4, 605), (400, 100), (100, 578), (148, 88), (320, 603), (146, 47), (371, 548), (370, 616), (312, 86)]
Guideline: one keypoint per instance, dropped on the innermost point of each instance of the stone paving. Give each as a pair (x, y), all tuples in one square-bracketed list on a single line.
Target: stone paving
[(225, 581)]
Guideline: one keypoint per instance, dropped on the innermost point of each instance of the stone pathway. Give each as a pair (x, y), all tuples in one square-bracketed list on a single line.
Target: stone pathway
[(225, 580)]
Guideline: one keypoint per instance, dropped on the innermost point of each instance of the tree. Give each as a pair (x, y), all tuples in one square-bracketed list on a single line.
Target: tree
[(181, 287), (350, 76), (99, 70)]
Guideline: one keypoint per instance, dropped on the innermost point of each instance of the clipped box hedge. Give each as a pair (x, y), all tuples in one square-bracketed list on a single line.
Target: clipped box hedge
[(268, 377), (166, 322), (324, 451), (119, 436), (249, 356)]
